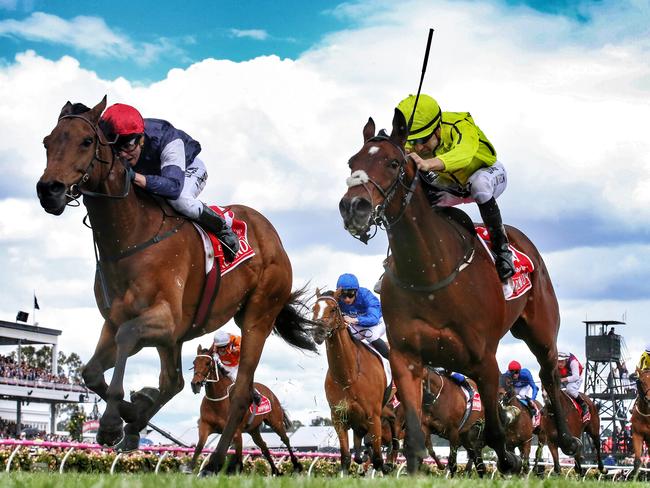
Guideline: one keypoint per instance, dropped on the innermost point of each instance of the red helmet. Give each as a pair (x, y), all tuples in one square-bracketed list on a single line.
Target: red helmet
[(120, 120), (514, 366)]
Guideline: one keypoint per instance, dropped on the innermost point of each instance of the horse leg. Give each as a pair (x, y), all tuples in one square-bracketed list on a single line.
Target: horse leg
[(556, 459), (344, 443), (279, 428), (594, 435), (637, 445), (259, 442), (357, 448), (524, 449), (541, 340), (204, 432), (537, 468), (487, 380), (407, 373), (375, 439), (235, 462), (452, 464)]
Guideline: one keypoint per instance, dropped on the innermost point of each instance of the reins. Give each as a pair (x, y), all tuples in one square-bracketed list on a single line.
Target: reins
[(207, 379)]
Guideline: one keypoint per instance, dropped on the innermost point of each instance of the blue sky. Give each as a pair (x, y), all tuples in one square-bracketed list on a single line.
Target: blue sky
[(278, 92)]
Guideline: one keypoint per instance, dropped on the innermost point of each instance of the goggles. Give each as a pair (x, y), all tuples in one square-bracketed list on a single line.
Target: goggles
[(420, 140), (128, 143), (515, 371), (348, 293)]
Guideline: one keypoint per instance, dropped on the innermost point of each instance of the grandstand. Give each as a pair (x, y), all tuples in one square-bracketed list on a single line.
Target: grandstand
[(31, 399)]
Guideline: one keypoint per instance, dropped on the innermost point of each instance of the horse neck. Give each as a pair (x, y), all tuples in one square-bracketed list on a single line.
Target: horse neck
[(218, 389), (118, 223), (342, 357), (423, 233)]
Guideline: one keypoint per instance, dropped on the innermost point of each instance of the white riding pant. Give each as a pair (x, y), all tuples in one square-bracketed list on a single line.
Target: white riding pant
[(187, 203), (484, 184), (573, 388), (232, 371), (368, 334), (524, 391)]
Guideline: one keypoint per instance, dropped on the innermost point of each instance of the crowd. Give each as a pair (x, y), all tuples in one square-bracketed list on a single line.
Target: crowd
[(12, 372)]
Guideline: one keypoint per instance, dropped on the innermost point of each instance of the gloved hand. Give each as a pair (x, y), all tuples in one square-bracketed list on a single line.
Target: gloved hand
[(350, 320)]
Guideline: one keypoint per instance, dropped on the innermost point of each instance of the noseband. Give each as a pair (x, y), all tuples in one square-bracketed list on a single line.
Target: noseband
[(339, 316), (378, 217), (207, 379)]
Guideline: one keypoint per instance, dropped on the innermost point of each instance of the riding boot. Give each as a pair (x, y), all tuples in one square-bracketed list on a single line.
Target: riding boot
[(381, 347), (215, 223), (257, 397), (531, 407), (492, 219), (583, 406)]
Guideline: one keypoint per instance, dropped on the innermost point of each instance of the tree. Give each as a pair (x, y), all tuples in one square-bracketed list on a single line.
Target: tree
[(76, 423)]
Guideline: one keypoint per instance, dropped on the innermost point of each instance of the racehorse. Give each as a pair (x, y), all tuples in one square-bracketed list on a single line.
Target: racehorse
[(548, 432), (150, 275), (518, 423), (355, 383), (442, 300), (641, 418), (215, 406), (444, 414)]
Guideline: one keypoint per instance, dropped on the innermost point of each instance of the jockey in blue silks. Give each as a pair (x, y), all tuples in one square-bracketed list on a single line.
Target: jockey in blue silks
[(523, 384), (362, 312)]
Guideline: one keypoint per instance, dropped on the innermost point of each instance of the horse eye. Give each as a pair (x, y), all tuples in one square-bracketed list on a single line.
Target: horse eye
[(394, 164), (87, 142)]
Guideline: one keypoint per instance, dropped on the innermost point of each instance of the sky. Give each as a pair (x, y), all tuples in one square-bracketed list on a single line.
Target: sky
[(278, 93)]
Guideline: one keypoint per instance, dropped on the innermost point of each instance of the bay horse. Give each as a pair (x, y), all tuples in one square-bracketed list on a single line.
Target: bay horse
[(215, 406), (548, 433), (150, 275), (442, 300), (518, 423), (355, 383), (443, 414), (641, 418)]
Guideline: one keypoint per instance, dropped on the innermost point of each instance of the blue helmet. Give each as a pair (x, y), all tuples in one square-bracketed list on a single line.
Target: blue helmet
[(348, 281)]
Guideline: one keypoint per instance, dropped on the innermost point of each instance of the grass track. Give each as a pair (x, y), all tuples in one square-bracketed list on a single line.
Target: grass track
[(43, 480)]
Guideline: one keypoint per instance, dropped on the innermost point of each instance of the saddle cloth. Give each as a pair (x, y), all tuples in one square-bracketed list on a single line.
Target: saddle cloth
[(384, 362), (586, 416), (537, 418), (521, 282), (261, 409)]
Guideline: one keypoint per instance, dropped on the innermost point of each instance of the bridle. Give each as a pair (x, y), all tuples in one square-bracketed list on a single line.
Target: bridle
[(75, 190), (339, 315), (207, 379), (378, 218)]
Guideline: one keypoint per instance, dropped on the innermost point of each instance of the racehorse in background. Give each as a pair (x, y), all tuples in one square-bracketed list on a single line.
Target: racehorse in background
[(442, 300), (548, 433), (445, 413), (150, 276), (215, 406), (518, 423), (641, 418), (355, 383)]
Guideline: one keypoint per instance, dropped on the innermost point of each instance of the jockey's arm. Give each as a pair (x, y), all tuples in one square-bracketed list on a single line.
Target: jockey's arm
[(372, 315), (531, 382), (172, 172), (575, 373), (465, 144)]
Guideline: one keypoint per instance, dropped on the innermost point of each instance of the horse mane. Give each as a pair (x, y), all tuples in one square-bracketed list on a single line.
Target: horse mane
[(78, 108), (328, 293)]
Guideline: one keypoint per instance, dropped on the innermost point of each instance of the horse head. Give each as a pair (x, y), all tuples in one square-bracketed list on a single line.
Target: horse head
[(72, 149), (643, 376), (204, 369), (327, 317), (378, 171)]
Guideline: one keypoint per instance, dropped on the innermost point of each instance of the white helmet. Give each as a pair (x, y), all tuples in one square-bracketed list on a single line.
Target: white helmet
[(647, 347), (221, 338), (563, 356)]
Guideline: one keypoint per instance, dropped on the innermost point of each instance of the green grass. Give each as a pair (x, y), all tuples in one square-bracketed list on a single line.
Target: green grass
[(44, 480)]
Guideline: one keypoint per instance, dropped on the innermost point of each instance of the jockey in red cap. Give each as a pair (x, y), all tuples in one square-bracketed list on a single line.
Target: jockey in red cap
[(523, 384), (165, 163)]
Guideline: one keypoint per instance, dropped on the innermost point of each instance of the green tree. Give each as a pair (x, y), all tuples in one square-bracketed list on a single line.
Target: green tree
[(76, 423)]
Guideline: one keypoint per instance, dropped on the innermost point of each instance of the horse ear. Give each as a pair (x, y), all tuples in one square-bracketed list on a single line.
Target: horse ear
[(199, 349), (400, 131), (66, 110), (369, 130), (97, 110), (318, 293)]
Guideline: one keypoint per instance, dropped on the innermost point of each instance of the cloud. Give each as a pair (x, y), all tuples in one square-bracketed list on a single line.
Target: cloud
[(566, 112), (87, 34), (257, 34)]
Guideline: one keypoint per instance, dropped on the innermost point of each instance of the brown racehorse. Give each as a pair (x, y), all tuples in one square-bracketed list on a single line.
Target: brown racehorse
[(518, 423), (150, 279), (442, 300), (641, 419), (548, 433), (354, 384), (443, 410), (215, 406)]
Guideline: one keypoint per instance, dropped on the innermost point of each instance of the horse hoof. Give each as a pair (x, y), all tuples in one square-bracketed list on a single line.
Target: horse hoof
[(204, 473), (571, 445), (511, 464), (130, 442), (387, 468), (145, 397), (185, 469), (109, 436)]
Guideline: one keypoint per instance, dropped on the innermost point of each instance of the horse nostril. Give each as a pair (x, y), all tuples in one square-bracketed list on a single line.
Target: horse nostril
[(361, 206), (50, 189), (344, 207)]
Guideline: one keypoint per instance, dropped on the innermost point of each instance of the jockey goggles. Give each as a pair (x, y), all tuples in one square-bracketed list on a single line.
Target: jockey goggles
[(420, 140), (348, 293), (127, 143)]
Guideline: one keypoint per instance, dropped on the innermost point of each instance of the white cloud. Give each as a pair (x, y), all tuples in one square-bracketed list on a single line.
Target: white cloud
[(568, 118), (257, 34)]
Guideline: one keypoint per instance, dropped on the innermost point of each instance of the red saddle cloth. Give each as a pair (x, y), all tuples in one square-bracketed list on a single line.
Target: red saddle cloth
[(262, 408), (476, 402), (521, 282), (586, 416)]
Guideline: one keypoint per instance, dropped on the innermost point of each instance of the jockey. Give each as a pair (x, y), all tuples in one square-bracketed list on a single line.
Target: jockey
[(165, 163), (644, 361), (523, 384), (226, 348), (362, 312), (451, 149), (570, 371)]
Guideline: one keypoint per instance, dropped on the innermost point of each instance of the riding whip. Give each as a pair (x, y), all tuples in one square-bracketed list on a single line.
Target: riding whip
[(424, 69)]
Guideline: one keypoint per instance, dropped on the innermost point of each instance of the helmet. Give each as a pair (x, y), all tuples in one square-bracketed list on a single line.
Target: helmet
[(427, 115), (121, 120), (348, 281), (221, 338), (647, 347), (563, 356), (514, 366)]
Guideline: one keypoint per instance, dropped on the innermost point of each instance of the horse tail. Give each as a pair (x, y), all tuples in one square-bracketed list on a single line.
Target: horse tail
[(286, 420), (292, 325)]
